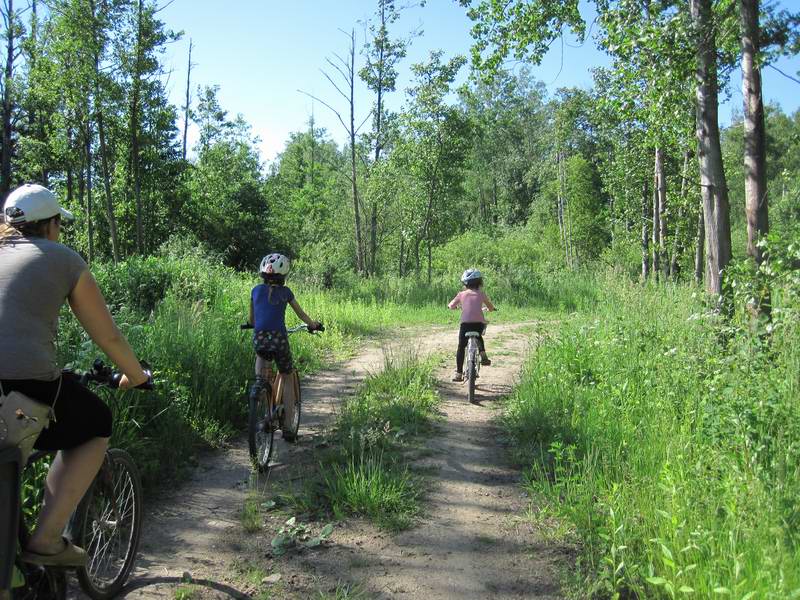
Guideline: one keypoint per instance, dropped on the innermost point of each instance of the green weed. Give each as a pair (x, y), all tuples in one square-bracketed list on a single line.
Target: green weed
[(344, 591)]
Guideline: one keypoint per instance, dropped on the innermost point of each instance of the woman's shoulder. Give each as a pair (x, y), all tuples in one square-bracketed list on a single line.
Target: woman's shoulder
[(62, 251)]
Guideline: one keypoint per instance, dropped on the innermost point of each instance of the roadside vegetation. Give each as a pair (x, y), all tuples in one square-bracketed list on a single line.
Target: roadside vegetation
[(666, 439)]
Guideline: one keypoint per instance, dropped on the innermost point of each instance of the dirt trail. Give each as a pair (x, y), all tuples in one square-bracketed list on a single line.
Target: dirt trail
[(469, 543)]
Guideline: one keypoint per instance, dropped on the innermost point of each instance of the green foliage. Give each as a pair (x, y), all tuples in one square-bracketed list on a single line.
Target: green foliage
[(587, 213), (672, 457), (297, 534)]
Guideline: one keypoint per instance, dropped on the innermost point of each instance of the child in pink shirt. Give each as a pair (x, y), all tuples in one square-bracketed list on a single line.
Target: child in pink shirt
[(471, 300)]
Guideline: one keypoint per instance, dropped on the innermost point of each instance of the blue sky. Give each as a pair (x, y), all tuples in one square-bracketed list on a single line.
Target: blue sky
[(261, 52)]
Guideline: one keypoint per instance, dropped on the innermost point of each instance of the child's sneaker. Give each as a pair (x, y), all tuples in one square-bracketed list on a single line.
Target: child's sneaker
[(457, 376), (485, 362)]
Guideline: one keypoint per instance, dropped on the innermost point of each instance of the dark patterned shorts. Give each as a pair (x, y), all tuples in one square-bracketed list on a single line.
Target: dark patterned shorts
[(274, 345)]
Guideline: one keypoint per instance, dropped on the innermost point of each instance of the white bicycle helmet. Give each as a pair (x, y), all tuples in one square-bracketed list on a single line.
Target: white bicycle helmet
[(275, 264), (470, 275)]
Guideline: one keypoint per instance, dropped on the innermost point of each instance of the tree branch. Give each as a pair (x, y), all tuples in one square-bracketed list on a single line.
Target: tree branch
[(329, 107), (784, 74)]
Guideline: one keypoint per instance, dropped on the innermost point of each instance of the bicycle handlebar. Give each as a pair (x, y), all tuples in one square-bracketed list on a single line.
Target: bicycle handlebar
[(102, 374), (297, 328)]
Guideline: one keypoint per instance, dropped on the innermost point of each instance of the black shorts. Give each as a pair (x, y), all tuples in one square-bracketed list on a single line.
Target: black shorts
[(274, 345), (80, 415)]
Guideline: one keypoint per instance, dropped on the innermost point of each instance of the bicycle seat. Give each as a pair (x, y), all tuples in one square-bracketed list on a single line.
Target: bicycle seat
[(470, 334)]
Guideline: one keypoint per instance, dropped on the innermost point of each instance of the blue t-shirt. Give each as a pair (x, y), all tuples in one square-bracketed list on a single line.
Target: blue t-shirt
[(269, 307)]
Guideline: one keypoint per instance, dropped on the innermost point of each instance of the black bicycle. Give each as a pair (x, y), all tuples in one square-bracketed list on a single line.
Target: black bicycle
[(268, 410), (107, 523)]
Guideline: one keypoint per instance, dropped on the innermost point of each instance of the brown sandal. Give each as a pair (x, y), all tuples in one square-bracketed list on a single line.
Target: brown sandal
[(70, 556)]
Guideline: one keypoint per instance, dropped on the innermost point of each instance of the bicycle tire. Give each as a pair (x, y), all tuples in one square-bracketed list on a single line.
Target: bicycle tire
[(290, 424), (472, 354), (260, 433), (110, 517)]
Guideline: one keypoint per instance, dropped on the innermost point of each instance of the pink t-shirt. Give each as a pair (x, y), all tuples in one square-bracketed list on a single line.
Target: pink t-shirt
[(471, 302)]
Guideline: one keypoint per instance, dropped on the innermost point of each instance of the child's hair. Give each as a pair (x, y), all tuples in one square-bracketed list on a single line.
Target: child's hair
[(273, 278), (474, 284)]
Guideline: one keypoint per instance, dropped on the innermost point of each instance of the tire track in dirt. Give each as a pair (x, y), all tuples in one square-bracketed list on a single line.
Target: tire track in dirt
[(468, 544)]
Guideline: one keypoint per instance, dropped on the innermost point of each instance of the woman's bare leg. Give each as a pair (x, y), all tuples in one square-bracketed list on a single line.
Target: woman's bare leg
[(69, 477)]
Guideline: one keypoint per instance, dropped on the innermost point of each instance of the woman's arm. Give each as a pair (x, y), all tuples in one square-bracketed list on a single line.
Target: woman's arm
[(302, 315), (90, 308)]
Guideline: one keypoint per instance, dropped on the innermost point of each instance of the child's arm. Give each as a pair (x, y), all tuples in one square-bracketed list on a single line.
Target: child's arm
[(302, 315), (455, 302), (488, 303), (252, 319)]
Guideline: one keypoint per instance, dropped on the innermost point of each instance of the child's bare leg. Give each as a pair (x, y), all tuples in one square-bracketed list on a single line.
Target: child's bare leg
[(262, 368)]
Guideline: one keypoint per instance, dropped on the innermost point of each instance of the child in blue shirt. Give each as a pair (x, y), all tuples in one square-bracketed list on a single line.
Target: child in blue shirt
[(268, 303)]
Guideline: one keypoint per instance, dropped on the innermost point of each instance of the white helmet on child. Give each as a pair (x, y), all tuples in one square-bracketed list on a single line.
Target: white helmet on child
[(275, 264), (470, 275)]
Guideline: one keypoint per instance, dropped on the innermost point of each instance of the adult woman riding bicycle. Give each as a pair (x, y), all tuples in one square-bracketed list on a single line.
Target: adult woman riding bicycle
[(37, 275)]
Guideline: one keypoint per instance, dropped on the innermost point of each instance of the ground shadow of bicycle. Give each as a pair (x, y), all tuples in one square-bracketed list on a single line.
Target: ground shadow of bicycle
[(144, 582)]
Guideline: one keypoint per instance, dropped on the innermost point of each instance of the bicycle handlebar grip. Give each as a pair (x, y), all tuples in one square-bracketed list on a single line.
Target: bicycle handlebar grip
[(244, 326)]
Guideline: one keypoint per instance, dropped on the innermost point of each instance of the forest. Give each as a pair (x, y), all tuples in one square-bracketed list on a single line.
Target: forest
[(657, 415)]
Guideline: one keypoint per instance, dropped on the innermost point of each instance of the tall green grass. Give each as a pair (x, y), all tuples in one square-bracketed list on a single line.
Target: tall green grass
[(669, 441)]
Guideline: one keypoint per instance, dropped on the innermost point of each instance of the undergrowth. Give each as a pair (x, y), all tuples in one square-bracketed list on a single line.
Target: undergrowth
[(668, 441)]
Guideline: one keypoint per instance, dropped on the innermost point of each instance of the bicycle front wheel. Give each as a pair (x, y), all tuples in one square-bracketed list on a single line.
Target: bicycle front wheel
[(260, 432), (109, 525), (291, 409)]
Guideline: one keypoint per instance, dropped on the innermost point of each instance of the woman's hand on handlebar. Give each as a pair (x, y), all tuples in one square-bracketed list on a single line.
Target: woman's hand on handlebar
[(145, 377)]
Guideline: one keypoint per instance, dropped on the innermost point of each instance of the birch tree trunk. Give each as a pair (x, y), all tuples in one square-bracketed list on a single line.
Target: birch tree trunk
[(8, 107), (645, 236), (656, 213), (714, 188), (134, 131), (755, 185), (699, 251), (677, 242), (186, 107)]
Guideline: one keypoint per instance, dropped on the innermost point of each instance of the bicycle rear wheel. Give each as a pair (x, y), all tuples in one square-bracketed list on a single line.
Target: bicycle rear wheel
[(109, 525), (260, 432), (291, 409)]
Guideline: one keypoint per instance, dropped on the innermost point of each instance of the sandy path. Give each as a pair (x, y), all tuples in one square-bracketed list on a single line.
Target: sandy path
[(469, 543)]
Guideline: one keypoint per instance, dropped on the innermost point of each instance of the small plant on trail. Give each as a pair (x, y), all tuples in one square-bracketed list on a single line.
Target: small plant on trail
[(297, 534), (344, 591), (185, 592), (250, 516)]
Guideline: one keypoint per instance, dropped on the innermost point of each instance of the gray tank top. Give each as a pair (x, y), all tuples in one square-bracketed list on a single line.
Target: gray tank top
[(36, 276)]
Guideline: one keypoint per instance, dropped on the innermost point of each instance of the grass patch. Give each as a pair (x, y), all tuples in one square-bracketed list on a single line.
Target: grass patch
[(369, 486), (365, 468)]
